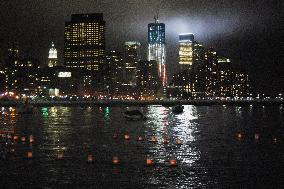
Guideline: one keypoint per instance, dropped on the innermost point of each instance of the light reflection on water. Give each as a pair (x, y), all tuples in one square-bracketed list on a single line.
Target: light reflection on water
[(210, 155)]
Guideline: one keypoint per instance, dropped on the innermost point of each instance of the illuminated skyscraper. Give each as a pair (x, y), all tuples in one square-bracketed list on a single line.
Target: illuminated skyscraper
[(186, 42), (52, 56), (84, 41), (132, 53), (157, 47)]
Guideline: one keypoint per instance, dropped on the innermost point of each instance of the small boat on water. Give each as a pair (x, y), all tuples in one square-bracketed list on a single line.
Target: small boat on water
[(177, 109), (134, 115)]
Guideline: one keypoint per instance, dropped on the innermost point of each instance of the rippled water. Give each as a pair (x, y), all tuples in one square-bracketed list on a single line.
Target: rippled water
[(221, 147)]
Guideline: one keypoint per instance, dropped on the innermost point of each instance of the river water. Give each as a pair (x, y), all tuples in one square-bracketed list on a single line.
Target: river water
[(214, 147)]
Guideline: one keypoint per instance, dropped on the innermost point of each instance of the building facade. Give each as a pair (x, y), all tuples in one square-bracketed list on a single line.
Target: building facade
[(52, 56), (84, 41), (148, 82), (157, 47), (186, 42)]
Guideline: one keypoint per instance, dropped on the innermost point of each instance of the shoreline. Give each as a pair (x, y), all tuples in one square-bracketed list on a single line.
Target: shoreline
[(146, 103)]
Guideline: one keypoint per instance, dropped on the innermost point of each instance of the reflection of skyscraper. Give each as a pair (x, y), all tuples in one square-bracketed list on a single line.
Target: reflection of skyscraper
[(186, 42), (52, 56), (157, 47), (84, 40)]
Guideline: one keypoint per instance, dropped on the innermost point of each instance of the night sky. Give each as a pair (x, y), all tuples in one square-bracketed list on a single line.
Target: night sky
[(246, 31)]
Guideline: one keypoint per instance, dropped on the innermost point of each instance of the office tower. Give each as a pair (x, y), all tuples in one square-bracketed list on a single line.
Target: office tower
[(157, 47), (198, 70), (131, 57), (212, 73), (84, 41), (148, 81), (186, 42), (52, 56), (2, 79), (226, 77), (113, 73), (240, 87)]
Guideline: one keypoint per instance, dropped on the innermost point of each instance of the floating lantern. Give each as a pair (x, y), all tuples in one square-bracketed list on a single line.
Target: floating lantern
[(256, 136), (173, 162), (154, 139), (149, 162), (60, 156), (165, 141), (115, 160), (31, 139), (178, 142), (85, 145), (126, 137), (30, 155), (239, 135), (23, 139), (15, 137), (90, 158), (114, 136), (275, 140), (140, 138)]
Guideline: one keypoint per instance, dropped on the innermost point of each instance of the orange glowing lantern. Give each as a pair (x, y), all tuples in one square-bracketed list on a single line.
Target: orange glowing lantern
[(140, 138), (30, 155), (149, 162), (154, 139), (165, 141), (239, 135), (114, 136), (275, 140), (178, 142), (126, 137), (256, 136), (23, 139), (90, 159), (115, 160), (60, 156), (173, 162), (31, 139), (15, 137)]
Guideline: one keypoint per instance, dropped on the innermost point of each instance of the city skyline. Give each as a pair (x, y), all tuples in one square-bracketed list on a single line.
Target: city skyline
[(256, 39)]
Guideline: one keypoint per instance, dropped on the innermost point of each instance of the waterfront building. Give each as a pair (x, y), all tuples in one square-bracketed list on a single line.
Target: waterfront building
[(212, 73), (157, 48), (131, 58), (52, 56), (241, 84), (114, 74), (148, 82), (198, 70), (84, 41), (226, 77), (182, 86), (20, 73), (2, 80), (186, 42)]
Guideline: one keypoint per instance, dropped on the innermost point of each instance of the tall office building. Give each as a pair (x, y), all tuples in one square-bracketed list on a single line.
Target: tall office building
[(186, 42), (147, 79), (84, 41), (157, 47), (52, 56), (212, 73), (131, 57)]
